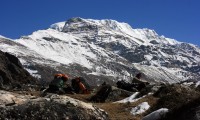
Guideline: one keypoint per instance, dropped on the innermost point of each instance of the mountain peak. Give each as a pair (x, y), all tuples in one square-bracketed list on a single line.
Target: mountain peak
[(109, 48), (75, 20), (142, 36), (81, 24), (58, 26)]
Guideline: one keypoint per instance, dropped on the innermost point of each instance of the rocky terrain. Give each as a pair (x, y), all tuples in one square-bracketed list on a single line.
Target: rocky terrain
[(52, 107), (100, 51), (19, 100), (20, 97)]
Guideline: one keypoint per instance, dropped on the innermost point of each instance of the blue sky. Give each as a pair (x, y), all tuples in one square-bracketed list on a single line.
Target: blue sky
[(177, 19)]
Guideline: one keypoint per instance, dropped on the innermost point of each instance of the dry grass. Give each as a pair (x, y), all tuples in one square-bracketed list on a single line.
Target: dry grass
[(116, 111), (81, 97), (119, 111), (173, 97)]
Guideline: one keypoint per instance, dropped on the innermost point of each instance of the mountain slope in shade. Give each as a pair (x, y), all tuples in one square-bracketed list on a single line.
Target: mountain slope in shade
[(104, 50), (12, 74)]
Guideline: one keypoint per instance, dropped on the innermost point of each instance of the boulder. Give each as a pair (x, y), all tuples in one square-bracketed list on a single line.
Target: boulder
[(118, 94), (51, 107)]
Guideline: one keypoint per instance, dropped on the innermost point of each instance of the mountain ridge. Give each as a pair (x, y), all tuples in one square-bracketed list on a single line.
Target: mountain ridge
[(106, 50)]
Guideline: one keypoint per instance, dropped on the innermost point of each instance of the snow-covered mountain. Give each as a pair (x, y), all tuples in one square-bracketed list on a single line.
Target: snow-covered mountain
[(104, 50)]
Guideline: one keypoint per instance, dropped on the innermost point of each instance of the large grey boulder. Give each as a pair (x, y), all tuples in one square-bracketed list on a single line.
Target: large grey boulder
[(51, 107)]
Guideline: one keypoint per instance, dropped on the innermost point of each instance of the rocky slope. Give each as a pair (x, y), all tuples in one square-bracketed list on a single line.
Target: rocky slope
[(104, 50), (12, 74)]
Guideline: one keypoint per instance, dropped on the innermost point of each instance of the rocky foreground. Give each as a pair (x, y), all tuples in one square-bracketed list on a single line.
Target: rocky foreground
[(178, 101), (166, 102), (50, 107)]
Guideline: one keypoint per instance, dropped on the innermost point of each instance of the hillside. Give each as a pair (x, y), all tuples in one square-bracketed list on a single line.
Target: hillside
[(104, 50)]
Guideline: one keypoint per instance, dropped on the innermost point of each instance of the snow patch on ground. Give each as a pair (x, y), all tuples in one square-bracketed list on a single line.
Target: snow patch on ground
[(34, 73), (132, 98), (197, 84), (141, 108)]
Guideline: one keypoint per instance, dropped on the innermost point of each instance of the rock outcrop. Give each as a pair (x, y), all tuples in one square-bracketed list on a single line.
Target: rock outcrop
[(50, 107), (12, 74)]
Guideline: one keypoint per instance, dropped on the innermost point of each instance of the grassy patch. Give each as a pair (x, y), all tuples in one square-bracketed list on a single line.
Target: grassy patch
[(121, 111)]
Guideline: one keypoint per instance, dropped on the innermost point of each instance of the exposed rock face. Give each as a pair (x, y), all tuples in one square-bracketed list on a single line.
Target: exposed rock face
[(12, 73), (51, 107)]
